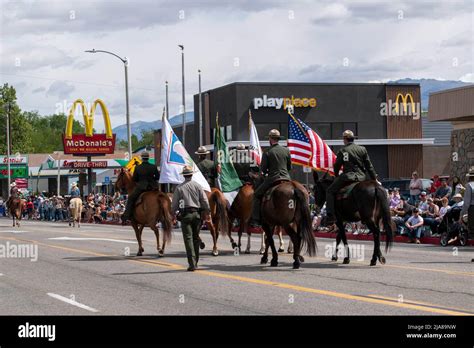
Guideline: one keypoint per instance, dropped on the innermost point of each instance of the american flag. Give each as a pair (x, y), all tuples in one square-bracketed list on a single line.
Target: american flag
[(307, 148)]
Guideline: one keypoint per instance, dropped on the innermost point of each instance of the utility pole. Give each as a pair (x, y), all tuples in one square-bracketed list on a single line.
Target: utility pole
[(167, 114), (9, 150), (183, 95), (200, 110)]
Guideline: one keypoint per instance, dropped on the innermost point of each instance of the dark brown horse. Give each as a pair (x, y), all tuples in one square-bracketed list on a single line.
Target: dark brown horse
[(152, 207), (367, 202), (15, 209), (241, 209), (287, 205)]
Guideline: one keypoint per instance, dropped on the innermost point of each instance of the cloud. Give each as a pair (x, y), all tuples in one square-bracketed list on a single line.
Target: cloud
[(60, 89), (38, 90)]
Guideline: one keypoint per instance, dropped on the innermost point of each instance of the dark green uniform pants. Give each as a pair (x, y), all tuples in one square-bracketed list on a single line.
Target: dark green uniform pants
[(331, 193), (257, 204), (190, 225)]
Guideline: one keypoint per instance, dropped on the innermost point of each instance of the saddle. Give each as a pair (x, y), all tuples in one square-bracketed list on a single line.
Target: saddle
[(140, 198), (268, 193), (346, 191)]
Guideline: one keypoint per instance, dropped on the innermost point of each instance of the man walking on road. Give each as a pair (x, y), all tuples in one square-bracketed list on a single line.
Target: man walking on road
[(468, 206), (189, 198)]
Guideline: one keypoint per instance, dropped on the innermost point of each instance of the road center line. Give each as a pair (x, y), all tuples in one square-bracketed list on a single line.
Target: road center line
[(72, 302), (358, 298)]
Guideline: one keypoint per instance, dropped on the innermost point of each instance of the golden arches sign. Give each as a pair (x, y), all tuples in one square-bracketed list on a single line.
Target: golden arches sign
[(88, 118), (404, 99)]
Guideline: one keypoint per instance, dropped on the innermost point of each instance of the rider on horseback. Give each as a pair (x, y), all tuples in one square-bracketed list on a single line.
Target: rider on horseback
[(146, 175), (206, 166), (276, 165), (356, 167), (14, 193), (242, 163), (75, 192)]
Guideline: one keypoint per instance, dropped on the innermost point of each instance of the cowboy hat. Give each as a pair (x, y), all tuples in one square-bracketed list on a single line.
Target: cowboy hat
[(274, 134), (187, 171), (202, 151), (240, 147), (348, 134), (471, 172), (74, 184), (145, 155), (13, 184), (457, 195)]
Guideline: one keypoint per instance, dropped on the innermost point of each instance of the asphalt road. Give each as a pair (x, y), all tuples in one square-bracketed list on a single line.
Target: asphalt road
[(85, 271)]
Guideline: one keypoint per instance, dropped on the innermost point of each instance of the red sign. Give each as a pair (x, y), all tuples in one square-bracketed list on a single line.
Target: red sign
[(97, 144)]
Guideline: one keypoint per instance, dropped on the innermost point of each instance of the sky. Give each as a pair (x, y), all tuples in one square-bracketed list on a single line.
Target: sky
[(42, 46)]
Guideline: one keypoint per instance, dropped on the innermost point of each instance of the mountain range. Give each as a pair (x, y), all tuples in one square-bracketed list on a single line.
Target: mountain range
[(427, 86)]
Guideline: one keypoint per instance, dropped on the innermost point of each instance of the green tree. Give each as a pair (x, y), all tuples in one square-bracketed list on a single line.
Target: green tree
[(146, 139), (20, 130)]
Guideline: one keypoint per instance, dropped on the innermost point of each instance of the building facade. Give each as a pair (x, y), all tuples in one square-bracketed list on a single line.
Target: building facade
[(386, 118)]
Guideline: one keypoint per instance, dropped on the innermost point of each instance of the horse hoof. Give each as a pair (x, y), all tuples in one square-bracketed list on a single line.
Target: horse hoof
[(281, 250), (161, 253), (346, 261), (274, 263), (215, 253), (296, 265), (290, 251), (382, 260), (262, 251), (139, 254), (373, 262), (301, 258), (247, 251), (234, 245), (334, 258), (263, 260), (202, 245)]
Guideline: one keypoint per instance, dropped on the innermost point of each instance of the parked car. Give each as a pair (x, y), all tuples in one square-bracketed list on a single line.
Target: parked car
[(404, 185)]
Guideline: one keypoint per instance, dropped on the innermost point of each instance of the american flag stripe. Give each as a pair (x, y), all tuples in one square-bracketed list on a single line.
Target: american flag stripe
[(307, 148)]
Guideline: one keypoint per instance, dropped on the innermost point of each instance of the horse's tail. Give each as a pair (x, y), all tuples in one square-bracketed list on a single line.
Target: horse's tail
[(164, 205), (304, 225), (217, 198), (381, 196)]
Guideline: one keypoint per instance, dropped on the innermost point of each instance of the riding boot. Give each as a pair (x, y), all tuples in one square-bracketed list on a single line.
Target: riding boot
[(255, 219)]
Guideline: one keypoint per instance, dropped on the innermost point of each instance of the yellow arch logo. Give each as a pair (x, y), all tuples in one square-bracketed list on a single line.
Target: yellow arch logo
[(404, 99), (89, 118)]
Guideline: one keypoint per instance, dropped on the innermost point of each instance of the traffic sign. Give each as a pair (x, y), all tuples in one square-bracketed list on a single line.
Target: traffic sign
[(107, 179)]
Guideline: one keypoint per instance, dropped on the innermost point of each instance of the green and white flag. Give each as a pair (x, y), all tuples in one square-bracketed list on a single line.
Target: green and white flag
[(228, 179)]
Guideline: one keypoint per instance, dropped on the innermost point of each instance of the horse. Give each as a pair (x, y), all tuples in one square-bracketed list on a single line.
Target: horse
[(218, 219), (151, 207), (75, 211), (15, 209), (286, 204), (366, 202)]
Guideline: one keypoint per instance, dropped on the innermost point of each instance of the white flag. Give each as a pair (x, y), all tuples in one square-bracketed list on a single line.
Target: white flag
[(254, 147), (173, 159)]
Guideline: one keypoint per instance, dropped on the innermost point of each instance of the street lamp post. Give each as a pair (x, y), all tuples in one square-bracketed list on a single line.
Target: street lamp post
[(184, 101), (200, 110), (58, 186), (8, 150), (167, 107), (125, 63)]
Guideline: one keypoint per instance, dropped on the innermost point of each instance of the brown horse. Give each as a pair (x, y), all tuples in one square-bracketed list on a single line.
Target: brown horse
[(218, 219), (241, 209), (287, 205), (15, 208), (152, 207)]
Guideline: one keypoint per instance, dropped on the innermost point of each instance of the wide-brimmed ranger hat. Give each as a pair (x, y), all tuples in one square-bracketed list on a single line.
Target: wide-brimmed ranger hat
[(471, 172), (202, 151), (274, 134), (187, 171), (145, 155), (13, 184), (240, 147)]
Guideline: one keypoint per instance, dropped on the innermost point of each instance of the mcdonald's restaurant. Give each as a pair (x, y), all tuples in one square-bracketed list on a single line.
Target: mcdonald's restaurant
[(386, 118)]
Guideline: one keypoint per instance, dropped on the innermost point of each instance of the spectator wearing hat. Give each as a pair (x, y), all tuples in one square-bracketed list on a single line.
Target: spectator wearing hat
[(423, 203), (416, 186), (206, 166), (468, 207), (415, 226), (190, 200)]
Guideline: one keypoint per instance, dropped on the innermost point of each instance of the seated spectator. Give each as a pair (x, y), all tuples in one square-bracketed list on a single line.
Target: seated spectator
[(443, 191), (456, 186), (415, 226), (401, 214), (435, 184), (395, 199), (423, 204), (97, 214), (431, 216)]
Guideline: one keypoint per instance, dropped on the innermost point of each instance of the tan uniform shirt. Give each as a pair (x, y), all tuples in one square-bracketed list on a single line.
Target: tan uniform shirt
[(191, 194)]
